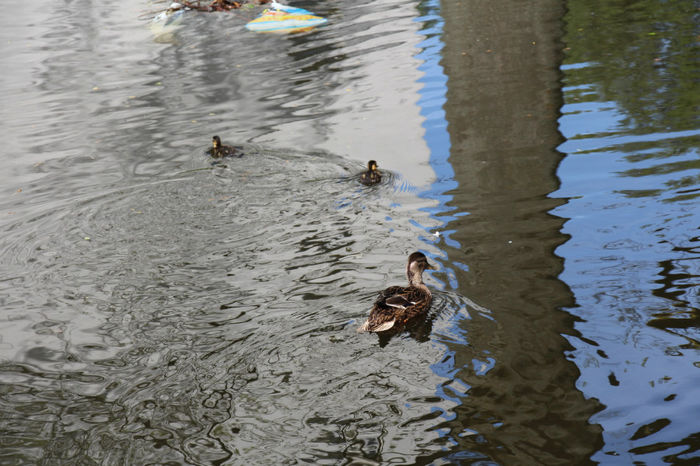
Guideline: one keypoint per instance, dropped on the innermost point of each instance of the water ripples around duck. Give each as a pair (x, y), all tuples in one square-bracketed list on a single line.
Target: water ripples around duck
[(212, 314)]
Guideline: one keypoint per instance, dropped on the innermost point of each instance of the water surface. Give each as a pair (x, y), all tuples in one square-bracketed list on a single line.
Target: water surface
[(161, 308)]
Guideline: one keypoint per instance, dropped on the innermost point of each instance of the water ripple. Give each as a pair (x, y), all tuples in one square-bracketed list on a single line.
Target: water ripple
[(181, 316)]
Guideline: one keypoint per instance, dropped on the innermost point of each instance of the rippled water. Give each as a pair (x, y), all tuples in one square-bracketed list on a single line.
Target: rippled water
[(171, 311), (161, 308), (632, 179)]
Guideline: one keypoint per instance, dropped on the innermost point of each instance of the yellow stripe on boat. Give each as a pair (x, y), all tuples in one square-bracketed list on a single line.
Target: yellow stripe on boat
[(284, 22)]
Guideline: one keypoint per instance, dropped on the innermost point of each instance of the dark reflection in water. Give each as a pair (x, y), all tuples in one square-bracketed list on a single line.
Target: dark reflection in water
[(678, 280), (518, 400), (640, 56)]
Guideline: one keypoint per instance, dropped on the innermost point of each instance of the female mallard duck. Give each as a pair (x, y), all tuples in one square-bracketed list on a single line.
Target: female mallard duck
[(372, 175), (219, 150), (397, 305)]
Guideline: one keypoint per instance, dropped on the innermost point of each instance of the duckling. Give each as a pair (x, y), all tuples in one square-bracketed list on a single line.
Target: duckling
[(372, 175), (397, 305), (219, 150)]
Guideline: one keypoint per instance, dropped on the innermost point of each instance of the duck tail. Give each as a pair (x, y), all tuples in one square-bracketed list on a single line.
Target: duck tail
[(367, 327), (363, 328)]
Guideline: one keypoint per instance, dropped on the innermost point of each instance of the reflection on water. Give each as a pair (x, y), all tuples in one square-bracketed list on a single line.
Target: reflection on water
[(158, 308), (519, 397), (173, 320), (631, 179)]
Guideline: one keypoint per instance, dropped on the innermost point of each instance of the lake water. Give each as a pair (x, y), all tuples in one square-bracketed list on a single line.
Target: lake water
[(158, 308)]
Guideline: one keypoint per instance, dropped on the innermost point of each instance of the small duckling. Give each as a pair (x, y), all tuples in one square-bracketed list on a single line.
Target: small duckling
[(372, 175), (397, 305), (219, 150)]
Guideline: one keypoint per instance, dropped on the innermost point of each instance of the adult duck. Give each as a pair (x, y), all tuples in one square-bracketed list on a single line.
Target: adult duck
[(398, 305)]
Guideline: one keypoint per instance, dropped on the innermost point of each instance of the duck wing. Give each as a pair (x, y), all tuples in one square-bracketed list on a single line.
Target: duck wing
[(370, 178), (399, 302), (224, 151), (395, 305), (379, 320), (230, 151), (389, 292)]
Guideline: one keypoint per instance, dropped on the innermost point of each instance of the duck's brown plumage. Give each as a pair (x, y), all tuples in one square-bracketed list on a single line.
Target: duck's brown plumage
[(219, 150), (398, 305), (372, 175)]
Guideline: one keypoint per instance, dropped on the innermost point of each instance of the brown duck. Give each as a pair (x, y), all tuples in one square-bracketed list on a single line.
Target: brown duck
[(372, 175), (397, 305), (219, 150)]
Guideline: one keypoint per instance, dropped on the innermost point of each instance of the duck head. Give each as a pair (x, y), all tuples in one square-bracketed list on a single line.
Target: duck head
[(372, 165), (216, 142), (417, 263)]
